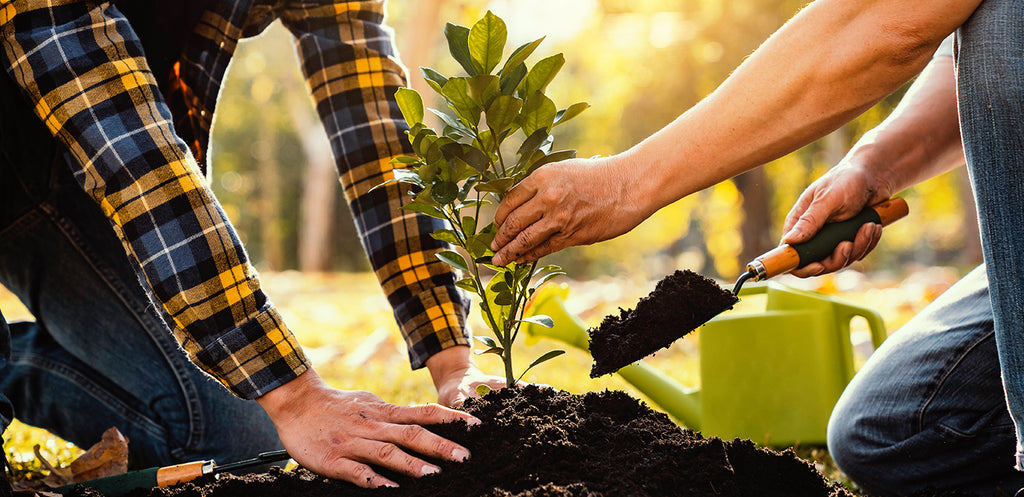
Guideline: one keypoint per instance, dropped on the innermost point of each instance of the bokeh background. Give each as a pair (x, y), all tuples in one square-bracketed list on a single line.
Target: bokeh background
[(639, 63)]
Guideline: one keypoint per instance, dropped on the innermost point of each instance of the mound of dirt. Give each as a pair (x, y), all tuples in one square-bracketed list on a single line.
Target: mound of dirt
[(541, 442)]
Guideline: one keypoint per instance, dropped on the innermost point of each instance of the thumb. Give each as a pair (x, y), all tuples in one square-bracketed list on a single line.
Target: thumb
[(807, 223)]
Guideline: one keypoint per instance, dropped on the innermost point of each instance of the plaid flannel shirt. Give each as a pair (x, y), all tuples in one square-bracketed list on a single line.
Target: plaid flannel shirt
[(130, 90)]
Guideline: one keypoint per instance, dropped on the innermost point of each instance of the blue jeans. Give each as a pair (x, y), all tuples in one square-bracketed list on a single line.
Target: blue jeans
[(97, 355), (927, 408), (930, 408), (990, 67)]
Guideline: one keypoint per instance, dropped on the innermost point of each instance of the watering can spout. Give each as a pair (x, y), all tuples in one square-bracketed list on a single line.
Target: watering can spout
[(680, 402)]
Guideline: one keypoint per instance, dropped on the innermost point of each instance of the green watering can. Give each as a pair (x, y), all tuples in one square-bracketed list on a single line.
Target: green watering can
[(771, 376)]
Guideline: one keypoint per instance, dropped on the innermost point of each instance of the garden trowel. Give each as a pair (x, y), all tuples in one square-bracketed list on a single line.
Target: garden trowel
[(113, 486), (685, 300)]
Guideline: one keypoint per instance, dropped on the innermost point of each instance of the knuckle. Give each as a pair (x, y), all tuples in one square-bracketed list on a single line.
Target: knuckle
[(386, 451), (411, 433)]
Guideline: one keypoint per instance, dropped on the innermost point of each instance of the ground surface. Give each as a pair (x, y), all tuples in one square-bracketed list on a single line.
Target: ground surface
[(548, 443)]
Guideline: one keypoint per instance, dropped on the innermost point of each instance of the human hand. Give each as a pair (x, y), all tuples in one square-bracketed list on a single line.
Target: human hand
[(837, 195), (339, 433), (456, 376), (573, 202)]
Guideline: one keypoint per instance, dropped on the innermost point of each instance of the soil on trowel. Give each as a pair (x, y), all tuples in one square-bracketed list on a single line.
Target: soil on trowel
[(542, 442), (680, 303)]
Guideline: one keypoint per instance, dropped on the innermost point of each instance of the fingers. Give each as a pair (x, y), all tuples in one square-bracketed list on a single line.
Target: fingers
[(846, 252), (516, 197), (357, 473)]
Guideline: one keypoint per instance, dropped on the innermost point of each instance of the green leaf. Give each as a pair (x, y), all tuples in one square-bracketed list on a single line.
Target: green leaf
[(483, 89), (456, 90), (487, 42), (444, 235), (571, 112), (540, 319), (510, 79), (469, 225), (488, 341), (435, 79), (404, 160), (458, 45), (478, 247), (495, 350), (407, 176), (476, 158), (502, 113), (519, 55), (544, 358), (429, 210), (538, 114), (552, 157), (541, 75), (545, 269), (546, 278), (453, 259), (499, 186), (453, 122), (468, 284), (482, 389), (444, 192), (534, 142), (503, 298), (473, 203), (428, 172), (411, 104)]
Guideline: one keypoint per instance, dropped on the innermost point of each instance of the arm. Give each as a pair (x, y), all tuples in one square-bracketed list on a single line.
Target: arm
[(919, 140), (828, 64), (189, 257), (353, 73)]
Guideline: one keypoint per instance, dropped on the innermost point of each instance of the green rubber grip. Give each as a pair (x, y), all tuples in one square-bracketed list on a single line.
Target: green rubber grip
[(826, 241), (113, 486)]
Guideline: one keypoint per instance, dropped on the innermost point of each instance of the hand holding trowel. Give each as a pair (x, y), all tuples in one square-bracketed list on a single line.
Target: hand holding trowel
[(685, 300)]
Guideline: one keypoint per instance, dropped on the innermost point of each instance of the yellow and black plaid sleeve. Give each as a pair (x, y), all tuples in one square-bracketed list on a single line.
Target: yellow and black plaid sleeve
[(81, 65), (349, 61)]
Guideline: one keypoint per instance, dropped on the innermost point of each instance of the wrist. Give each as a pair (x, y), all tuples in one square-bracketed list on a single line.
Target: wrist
[(451, 361), (280, 403)]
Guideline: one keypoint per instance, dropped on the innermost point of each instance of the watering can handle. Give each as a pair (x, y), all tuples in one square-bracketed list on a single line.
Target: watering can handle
[(846, 312)]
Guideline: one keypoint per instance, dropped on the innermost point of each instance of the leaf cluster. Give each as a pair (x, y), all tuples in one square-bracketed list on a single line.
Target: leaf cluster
[(471, 163)]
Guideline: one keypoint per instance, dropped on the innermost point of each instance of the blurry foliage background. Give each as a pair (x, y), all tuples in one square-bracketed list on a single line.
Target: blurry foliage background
[(640, 63)]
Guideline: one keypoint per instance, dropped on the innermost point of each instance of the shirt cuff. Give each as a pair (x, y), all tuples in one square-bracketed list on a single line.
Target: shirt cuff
[(433, 321), (256, 357)]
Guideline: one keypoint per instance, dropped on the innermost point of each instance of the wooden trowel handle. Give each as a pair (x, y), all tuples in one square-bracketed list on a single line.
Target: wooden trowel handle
[(785, 257)]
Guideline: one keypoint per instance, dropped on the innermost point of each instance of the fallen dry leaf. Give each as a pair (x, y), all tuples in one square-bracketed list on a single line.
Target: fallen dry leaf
[(107, 458)]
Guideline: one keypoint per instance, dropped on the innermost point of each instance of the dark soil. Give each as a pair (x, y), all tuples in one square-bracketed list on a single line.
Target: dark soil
[(680, 303), (541, 442)]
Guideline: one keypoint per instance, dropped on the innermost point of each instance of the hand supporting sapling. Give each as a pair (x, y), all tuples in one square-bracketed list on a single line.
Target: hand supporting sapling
[(455, 173)]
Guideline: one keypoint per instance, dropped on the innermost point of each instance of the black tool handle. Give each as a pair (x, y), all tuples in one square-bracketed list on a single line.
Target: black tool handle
[(832, 234)]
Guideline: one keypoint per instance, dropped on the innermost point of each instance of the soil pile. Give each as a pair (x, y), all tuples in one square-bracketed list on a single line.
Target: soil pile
[(680, 303), (541, 442)]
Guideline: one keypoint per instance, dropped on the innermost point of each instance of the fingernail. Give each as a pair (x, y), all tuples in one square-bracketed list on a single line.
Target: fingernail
[(460, 454), (473, 421), (389, 484), (429, 469)]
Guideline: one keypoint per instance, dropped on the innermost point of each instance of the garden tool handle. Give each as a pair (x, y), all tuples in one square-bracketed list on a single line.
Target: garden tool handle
[(112, 486), (786, 257)]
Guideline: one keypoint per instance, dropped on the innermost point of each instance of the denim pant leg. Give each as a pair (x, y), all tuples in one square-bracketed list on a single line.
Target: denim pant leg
[(990, 86), (98, 355), (927, 409)]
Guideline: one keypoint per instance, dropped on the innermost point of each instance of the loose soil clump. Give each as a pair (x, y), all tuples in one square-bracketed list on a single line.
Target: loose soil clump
[(680, 303), (542, 442)]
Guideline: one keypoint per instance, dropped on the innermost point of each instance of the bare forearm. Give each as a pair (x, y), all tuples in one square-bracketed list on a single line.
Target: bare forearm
[(920, 139), (831, 62)]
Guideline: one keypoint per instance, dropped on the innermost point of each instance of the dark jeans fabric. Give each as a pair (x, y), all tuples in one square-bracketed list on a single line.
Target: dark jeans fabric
[(97, 354)]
